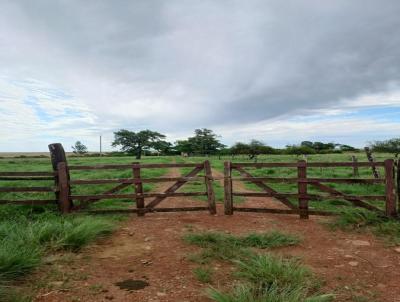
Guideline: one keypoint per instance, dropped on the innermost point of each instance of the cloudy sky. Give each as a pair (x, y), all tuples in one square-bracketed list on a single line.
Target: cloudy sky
[(278, 71)]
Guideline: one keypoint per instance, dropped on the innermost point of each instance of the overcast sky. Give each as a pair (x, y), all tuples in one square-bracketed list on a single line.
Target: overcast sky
[(277, 71)]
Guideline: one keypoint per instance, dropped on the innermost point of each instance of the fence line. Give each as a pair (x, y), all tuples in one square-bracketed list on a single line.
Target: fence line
[(65, 199), (303, 181)]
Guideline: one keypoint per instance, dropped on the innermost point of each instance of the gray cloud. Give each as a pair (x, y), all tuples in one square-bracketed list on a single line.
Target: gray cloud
[(174, 64)]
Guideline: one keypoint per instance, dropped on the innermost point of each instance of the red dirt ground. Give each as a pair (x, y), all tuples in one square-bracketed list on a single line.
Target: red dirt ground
[(151, 248)]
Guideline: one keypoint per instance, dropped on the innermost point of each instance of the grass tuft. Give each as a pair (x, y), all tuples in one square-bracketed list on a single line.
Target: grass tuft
[(272, 279), (361, 219), (204, 275)]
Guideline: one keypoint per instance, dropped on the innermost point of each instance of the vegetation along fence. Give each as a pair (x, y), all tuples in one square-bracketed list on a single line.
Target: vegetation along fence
[(303, 181), (306, 186)]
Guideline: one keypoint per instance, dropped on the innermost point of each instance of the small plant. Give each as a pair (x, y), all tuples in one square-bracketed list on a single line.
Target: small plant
[(269, 278), (204, 275), (266, 270)]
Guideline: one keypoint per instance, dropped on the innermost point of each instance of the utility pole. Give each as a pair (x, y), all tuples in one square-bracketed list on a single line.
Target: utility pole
[(100, 145)]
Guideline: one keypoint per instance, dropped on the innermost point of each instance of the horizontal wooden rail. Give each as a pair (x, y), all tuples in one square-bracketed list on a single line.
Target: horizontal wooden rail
[(27, 173), (134, 196), (29, 202), (12, 178), (146, 210), (311, 180), (283, 211), (133, 181), (27, 189), (309, 196), (309, 164), (130, 166)]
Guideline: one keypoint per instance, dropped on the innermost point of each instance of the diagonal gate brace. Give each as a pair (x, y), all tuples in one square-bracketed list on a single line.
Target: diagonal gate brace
[(174, 187), (266, 188), (354, 200)]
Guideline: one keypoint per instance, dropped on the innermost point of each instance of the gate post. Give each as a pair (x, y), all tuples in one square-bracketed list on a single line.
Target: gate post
[(390, 208), (60, 166), (302, 188), (228, 200), (210, 189), (398, 184), (355, 166), (138, 189), (63, 188)]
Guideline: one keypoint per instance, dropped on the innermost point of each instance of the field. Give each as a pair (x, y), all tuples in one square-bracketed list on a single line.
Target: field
[(328, 249)]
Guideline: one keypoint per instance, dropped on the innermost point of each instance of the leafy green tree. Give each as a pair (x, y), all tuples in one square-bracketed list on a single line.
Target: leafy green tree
[(390, 145), (253, 149), (184, 146), (347, 148), (205, 141), (79, 148), (299, 150), (163, 147), (240, 148), (319, 147), (136, 142)]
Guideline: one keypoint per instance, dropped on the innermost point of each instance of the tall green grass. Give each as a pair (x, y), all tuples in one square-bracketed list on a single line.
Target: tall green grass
[(362, 219), (24, 241), (262, 277), (267, 278)]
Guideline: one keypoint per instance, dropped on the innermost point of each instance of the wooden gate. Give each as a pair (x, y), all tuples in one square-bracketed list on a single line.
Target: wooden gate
[(137, 182), (303, 181)]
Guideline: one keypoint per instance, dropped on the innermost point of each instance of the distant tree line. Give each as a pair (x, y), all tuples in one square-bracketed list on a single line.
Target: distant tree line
[(390, 146), (206, 142)]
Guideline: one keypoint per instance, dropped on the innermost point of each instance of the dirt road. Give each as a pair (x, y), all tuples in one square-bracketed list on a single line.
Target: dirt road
[(151, 249)]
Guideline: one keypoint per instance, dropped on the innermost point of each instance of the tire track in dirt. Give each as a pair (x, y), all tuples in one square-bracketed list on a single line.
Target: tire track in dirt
[(151, 248)]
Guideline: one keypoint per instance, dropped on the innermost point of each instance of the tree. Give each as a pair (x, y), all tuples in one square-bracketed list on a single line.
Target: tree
[(136, 142), (318, 146), (240, 148), (390, 145), (205, 141), (346, 148), (253, 149), (79, 148), (163, 147), (299, 150), (184, 146)]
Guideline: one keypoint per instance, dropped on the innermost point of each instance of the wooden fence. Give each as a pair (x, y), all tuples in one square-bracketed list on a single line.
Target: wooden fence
[(137, 182), (303, 181), (295, 203), (17, 177)]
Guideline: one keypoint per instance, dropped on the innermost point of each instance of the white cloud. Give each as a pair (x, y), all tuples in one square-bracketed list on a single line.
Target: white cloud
[(175, 66)]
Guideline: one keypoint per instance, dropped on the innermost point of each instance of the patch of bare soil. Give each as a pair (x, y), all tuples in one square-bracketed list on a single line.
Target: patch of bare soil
[(149, 259)]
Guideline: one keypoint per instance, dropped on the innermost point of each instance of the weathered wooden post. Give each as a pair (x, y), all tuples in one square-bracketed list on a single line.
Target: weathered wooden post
[(371, 160), (210, 189), (398, 184), (389, 189), (138, 189), (355, 166), (60, 166), (228, 199), (64, 203), (302, 188)]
